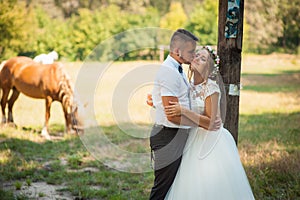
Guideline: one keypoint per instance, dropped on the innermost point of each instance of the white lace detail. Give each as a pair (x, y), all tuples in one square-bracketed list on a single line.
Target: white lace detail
[(200, 92), (211, 88), (197, 98), (198, 95)]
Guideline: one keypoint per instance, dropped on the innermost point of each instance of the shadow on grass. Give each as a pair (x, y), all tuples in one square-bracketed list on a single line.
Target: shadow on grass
[(280, 73), (25, 157), (282, 127), (66, 162), (269, 88)]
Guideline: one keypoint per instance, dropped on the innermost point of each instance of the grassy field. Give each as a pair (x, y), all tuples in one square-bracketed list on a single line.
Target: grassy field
[(269, 138)]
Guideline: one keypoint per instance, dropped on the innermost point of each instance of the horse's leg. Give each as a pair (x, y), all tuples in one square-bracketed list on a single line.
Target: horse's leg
[(67, 122), (45, 133), (68, 126), (11, 102), (5, 93)]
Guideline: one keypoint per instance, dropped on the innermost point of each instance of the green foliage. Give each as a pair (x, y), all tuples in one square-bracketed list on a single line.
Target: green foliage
[(91, 28), (204, 22), (262, 17), (175, 18), (290, 18), (18, 185), (272, 26), (83, 34), (161, 6), (28, 182), (17, 28), (52, 35), (75, 28)]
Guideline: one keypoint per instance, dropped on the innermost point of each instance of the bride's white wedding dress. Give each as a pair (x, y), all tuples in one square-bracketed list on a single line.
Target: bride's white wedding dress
[(211, 168)]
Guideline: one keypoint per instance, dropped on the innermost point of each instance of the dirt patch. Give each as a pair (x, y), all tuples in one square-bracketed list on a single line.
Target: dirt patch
[(40, 190), (44, 191)]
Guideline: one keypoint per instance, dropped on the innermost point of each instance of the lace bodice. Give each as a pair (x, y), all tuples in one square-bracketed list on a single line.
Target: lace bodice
[(200, 92)]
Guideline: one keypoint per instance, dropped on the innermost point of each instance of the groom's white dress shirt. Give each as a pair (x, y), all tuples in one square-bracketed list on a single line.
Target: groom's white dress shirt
[(169, 82)]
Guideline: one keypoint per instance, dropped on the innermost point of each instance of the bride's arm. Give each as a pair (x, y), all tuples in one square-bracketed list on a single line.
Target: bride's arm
[(208, 121), (211, 108), (201, 120)]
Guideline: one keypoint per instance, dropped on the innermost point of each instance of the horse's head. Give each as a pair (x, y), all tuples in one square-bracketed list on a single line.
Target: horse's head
[(75, 113), (73, 110)]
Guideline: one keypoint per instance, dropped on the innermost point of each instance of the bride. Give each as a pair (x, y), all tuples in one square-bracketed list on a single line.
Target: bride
[(211, 168)]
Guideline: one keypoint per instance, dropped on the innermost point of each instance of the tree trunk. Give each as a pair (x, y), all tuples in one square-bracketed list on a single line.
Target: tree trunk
[(229, 50)]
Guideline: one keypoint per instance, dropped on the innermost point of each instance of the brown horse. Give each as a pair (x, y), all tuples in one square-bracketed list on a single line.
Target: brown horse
[(44, 81)]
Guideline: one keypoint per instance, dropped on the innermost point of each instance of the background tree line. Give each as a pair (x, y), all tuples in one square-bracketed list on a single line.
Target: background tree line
[(74, 27)]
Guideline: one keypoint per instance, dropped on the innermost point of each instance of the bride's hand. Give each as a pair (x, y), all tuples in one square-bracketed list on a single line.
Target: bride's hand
[(149, 100), (214, 126), (173, 109)]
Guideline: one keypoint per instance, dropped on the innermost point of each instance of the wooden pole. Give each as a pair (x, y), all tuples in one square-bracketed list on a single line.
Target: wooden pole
[(229, 50)]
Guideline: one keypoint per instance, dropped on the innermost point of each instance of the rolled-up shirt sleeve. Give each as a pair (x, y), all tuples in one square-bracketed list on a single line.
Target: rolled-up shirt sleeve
[(170, 84)]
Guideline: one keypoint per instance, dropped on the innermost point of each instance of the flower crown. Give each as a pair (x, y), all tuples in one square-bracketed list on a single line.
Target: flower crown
[(216, 59)]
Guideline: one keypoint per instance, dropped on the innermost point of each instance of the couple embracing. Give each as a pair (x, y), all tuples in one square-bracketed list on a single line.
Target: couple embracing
[(194, 157)]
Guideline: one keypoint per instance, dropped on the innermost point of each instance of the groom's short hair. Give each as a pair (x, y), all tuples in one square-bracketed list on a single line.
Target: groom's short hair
[(180, 37)]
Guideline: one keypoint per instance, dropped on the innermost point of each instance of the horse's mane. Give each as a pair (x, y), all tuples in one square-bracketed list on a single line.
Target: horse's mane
[(66, 94), (2, 64)]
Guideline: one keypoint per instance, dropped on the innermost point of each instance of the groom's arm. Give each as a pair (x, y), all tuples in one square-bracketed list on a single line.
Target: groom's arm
[(196, 120), (209, 121), (200, 120)]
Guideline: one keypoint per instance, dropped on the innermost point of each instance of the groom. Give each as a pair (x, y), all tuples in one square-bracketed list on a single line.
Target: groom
[(169, 134)]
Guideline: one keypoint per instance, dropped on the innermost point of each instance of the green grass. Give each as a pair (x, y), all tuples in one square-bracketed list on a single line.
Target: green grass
[(270, 88), (283, 81), (273, 74), (271, 126), (270, 178), (268, 142), (270, 151), (42, 162)]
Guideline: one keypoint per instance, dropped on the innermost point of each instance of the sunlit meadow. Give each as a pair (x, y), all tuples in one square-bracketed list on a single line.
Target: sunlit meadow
[(268, 141)]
